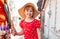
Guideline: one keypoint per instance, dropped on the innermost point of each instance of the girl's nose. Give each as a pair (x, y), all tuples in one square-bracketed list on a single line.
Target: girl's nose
[(28, 13)]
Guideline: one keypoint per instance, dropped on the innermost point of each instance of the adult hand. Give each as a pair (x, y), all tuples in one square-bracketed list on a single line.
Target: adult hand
[(13, 30)]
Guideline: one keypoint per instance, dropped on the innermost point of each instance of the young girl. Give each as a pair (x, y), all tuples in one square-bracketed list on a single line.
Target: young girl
[(30, 26)]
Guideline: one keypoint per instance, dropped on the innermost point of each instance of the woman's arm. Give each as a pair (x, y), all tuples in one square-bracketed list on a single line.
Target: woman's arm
[(39, 33)]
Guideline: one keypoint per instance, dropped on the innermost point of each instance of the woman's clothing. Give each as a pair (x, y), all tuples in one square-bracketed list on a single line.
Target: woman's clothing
[(2, 12)]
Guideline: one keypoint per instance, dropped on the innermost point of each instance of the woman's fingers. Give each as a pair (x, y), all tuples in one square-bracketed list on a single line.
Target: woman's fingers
[(13, 31)]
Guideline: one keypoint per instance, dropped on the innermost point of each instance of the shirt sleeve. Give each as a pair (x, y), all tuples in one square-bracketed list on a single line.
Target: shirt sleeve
[(37, 24), (21, 23)]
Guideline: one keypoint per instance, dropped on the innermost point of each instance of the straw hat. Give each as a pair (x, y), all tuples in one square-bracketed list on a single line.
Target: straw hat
[(21, 10)]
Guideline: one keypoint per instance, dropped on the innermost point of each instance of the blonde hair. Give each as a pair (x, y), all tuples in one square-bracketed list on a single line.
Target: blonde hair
[(27, 7)]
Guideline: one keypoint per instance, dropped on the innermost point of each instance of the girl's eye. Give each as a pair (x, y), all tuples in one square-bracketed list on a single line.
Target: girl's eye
[(31, 10)]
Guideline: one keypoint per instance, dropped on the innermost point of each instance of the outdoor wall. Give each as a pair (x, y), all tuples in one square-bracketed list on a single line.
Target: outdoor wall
[(52, 20)]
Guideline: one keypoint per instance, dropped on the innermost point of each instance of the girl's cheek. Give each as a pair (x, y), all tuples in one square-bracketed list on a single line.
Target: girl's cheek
[(25, 13)]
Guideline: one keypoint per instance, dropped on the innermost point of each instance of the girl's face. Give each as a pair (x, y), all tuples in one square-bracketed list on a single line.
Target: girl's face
[(29, 12)]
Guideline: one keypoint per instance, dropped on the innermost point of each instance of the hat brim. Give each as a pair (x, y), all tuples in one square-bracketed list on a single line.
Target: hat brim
[(21, 10)]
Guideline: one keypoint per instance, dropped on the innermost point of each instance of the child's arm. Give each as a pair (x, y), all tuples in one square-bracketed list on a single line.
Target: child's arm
[(39, 33), (20, 33), (14, 32)]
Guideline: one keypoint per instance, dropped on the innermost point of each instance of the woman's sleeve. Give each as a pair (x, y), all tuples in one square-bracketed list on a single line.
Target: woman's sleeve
[(21, 24), (37, 24)]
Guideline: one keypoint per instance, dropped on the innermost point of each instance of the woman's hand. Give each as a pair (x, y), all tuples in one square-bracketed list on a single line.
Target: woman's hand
[(13, 31)]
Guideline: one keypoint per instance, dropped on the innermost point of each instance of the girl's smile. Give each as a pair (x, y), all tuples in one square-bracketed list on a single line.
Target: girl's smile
[(29, 12)]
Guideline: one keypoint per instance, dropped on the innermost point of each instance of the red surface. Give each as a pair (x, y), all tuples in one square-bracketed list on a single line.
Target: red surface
[(2, 12), (30, 28)]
